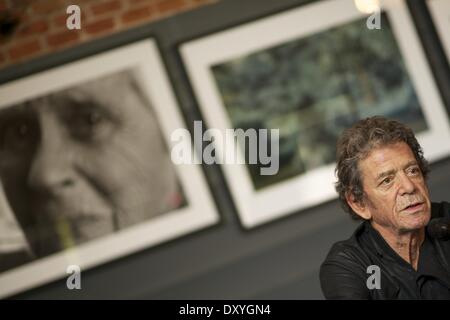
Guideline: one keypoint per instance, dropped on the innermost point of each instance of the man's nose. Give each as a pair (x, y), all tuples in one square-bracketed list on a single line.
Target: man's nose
[(51, 166), (406, 184)]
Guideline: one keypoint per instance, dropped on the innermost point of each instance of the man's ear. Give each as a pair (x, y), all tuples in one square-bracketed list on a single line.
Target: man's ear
[(358, 207)]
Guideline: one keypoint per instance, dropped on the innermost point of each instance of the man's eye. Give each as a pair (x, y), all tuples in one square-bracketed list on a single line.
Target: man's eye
[(386, 181), (93, 118), (17, 136), (414, 171), (88, 125)]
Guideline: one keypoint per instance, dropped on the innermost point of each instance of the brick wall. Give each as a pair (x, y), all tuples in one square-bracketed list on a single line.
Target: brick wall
[(41, 27)]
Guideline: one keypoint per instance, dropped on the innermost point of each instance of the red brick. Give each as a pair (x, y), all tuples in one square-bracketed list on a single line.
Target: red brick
[(24, 49), (19, 3), (171, 5), (60, 20), (36, 27), (99, 26), (105, 7), (25, 17), (137, 2), (48, 6), (2, 57), (63, 38), (139, 14)]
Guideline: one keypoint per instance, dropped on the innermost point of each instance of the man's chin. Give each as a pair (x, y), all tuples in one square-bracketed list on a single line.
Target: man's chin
[(416, 222)]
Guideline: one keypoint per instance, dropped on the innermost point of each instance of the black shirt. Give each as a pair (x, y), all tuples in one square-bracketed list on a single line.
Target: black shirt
[(344, 272)]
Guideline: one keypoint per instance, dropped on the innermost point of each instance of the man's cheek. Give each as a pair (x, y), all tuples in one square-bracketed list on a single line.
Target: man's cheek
[(20, 201), (17, 169), (425, 191), (99, 162)]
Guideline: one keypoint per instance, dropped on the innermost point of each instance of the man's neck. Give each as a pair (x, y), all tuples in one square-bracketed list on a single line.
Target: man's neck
[(407, 245)]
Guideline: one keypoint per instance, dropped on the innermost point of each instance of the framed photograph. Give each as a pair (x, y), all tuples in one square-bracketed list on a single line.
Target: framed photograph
[(86, 169), (440, 12), (310, 72)]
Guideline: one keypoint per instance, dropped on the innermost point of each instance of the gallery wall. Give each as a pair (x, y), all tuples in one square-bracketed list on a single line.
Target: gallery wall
[(279, 259)]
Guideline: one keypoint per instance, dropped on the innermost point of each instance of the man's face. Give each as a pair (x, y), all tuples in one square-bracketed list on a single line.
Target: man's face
[(396, 193), (83, 162)]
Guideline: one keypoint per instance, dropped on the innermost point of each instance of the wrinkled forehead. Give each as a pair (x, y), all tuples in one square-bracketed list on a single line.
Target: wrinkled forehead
[(112, 92), (387, 157)]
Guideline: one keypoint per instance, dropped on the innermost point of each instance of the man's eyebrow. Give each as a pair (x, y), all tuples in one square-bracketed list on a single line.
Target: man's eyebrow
[(78, 103), (410, 163), (75, 99), (385, 174), (14, 110)]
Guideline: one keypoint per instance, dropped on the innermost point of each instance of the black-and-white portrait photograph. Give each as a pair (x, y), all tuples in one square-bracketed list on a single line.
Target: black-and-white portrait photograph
[(83, 163)]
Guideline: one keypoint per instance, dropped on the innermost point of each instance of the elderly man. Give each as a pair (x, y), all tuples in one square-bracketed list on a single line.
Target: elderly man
[(84, 162), (393, 254)]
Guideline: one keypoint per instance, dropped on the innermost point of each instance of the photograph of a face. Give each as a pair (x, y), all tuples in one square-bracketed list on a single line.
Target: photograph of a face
[(310, 72), (313, 87), (85, 162), (85, 166)]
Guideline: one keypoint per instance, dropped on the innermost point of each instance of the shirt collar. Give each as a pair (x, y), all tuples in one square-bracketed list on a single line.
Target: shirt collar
[(429, 262), (382, 248), (380, 245)]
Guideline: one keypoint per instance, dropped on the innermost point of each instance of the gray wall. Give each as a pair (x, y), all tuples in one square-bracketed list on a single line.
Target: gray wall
[(279, 260)]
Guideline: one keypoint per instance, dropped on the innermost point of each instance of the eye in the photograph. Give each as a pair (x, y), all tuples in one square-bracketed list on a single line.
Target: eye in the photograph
[(90, 124), (18, 135)]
